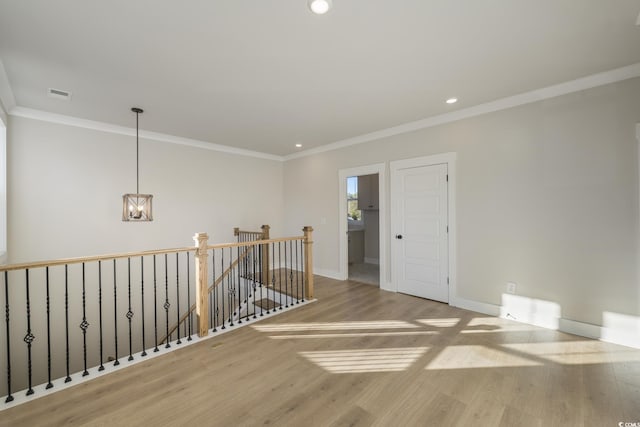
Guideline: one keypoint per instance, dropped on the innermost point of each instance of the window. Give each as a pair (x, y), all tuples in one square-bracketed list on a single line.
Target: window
[(353, 213)]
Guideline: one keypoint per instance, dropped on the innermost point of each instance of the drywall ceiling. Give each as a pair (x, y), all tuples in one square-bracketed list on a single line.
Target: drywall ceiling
[(264, 75)]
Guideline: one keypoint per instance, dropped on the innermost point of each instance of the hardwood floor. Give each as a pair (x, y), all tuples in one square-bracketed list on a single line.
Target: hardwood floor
[(359, 357)]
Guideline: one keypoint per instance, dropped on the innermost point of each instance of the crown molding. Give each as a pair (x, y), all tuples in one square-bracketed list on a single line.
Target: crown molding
[(588, 82), (45, 116), (595, 80)]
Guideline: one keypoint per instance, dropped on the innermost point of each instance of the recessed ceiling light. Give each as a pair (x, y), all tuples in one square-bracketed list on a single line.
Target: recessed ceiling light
[(319, 7), (452, 100), (299, 145)]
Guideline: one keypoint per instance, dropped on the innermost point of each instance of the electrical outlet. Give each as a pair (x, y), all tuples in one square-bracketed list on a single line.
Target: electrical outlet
[(511, 287)]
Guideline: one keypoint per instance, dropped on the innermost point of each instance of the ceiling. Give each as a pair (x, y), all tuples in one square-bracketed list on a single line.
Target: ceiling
[(263, 75)]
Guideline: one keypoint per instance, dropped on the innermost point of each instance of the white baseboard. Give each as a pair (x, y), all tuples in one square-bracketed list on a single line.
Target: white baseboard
[(480, 307), (626, 337), (579, 328), (331, 274)]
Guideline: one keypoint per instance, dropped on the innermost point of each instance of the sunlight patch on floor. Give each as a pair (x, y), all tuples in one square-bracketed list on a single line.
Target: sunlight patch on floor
[(576, 352), (477, 356), (332, 326), (368, 360), (440, 323), (495, 324), (354, 335)]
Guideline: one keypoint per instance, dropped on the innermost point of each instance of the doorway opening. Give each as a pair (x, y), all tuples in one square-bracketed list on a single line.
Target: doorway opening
[(363, 229), (363, 256)]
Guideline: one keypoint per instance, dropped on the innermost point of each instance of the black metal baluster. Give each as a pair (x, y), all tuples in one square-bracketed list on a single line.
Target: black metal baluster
[(66, 317), (129, 312), (178, 297), (166, 299), (231, 293), (189, 297), (302, 267), (290, 269), (101, 368), (49, 383), (255, 289), (298, 271), (29, 337), (262, 278), (212, 298), (273, 274), (144, 346), (247, 281), (222, 298), (115, 313), (280, 273), (155, 306), (239, 285), (294, 268), (286, 279), (260, 261), (6, 313), (84, 325)]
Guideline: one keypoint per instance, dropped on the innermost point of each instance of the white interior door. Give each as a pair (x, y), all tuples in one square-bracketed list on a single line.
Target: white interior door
[(420, 244)]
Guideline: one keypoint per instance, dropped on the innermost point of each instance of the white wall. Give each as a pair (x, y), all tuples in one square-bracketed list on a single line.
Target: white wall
[(3, 190), (547, 197), (65, 187)]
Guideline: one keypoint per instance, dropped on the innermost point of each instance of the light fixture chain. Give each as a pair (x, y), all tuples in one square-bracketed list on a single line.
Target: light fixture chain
[(137, 155)]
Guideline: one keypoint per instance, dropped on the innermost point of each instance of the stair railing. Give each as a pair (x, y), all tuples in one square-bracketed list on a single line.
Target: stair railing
[(257, 277), (67, 316), (243, 261), (70, 318)]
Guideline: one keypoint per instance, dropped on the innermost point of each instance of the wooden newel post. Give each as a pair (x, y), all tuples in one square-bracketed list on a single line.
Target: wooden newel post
[(308, 261), (265, 255), (202, 274)]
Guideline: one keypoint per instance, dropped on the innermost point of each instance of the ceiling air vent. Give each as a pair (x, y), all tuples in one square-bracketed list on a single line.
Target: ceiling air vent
[(59, 94)]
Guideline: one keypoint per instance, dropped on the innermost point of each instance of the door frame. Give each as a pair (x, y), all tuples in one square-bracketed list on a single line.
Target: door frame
[(450, 160), (343, 174)]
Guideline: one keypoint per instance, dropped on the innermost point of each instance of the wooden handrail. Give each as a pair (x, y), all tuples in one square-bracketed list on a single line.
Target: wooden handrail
[(63, 261), (255, 242), (39, 264)]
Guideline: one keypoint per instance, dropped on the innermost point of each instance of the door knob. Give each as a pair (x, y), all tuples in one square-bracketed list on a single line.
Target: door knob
[(399, 236)]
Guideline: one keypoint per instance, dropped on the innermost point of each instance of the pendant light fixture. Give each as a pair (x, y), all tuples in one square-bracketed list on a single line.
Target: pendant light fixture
[(137, 207)]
